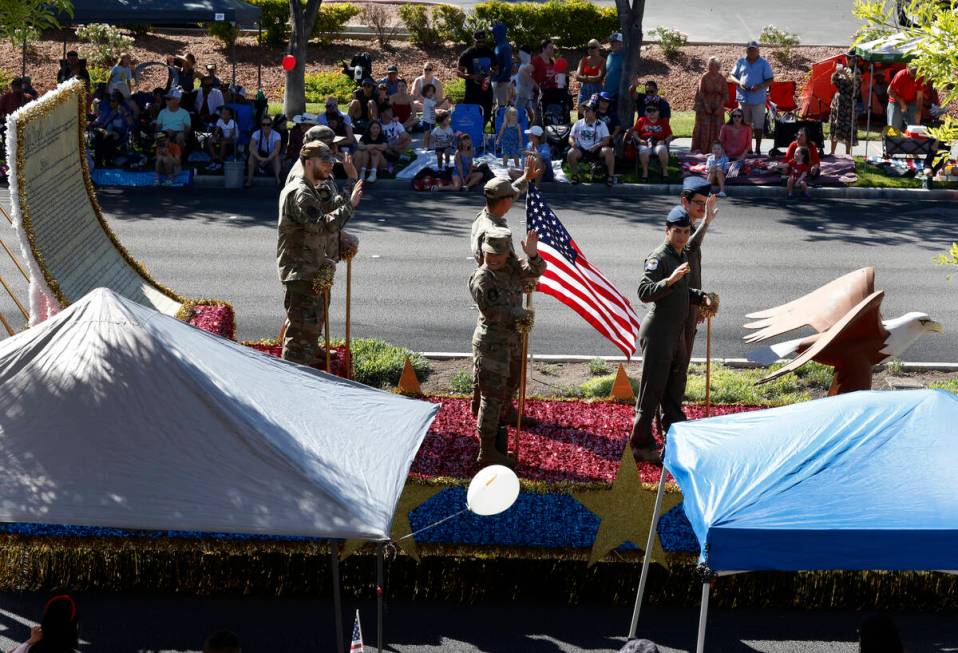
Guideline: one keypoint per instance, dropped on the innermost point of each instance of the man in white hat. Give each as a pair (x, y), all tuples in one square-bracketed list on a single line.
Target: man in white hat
[(173, 120), (754, 76)]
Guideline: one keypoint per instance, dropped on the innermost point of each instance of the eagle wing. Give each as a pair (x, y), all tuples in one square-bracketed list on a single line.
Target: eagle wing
[(820, 309), (852, 345)]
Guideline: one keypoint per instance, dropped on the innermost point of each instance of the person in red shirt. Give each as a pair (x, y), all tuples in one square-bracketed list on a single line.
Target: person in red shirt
[(544, 66), (14, 98), (905, 99), (651, 135), (814, 158), (798, 172)]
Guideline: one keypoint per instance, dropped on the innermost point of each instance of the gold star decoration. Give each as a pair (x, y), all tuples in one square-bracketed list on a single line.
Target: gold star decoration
[(625, 511), (413, 496)]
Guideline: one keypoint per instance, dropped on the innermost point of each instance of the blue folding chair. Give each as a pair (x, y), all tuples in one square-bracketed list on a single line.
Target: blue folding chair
[(523, 125), (467, 118), (243, 113)]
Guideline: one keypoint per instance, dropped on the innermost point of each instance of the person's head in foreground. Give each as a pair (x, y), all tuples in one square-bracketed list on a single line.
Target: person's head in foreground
[(878, 634), (223, 641)]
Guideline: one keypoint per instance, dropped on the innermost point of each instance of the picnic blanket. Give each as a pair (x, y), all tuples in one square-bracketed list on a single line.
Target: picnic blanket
[(427, 159), (760, 170)]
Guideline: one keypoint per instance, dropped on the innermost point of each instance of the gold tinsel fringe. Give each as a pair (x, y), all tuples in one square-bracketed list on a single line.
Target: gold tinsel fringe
[(445, 573)]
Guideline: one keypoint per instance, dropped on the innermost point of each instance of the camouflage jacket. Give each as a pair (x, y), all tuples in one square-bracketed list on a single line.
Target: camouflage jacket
[(485, 221), (309, 223), (498, 296)]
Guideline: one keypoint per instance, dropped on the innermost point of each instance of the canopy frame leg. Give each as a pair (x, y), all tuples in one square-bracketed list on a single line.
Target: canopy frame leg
[(380, 555), (703, 617), (868, 105), (647, 556), (337, 593)]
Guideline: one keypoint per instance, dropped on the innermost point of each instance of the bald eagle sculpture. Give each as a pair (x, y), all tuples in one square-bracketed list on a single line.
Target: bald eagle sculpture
[(852, 337)]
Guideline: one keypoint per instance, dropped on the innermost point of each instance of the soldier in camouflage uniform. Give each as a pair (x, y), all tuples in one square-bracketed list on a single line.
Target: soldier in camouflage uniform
[(500, 196), (310, 219), (497, 288), (328, 137)]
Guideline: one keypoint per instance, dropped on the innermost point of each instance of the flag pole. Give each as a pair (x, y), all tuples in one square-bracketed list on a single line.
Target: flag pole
[(349, 292), (708, 365), (326, 325), (522, 380)]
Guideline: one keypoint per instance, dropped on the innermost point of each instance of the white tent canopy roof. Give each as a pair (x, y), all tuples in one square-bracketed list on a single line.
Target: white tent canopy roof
[(114, 415)]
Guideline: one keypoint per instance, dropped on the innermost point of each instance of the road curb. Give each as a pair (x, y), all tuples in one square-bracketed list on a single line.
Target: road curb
[(728, 362), (776, 192)]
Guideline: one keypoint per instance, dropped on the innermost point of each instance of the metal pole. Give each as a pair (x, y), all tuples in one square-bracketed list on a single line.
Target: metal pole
[(14, 259), (6, 215), (703, 616), (856, 88), (349, 289), (326, 325), (259, 59), (23, 65), (337, 594), (708, 365), (868, 104), (16, 301), (233, 55), (6, 325), (522, 381), (647, 557), (380, 551)]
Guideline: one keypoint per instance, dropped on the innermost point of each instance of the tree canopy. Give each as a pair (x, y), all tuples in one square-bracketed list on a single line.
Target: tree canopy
[(18, 17)]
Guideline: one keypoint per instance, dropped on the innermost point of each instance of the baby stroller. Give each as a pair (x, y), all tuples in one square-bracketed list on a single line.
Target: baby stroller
[(556, 124)]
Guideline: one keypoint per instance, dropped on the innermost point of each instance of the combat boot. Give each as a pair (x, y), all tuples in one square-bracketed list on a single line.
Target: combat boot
[(512, 418), (490, 455)]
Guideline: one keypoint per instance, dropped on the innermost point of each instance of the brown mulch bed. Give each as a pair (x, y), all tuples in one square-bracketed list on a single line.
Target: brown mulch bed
[(677, 78)]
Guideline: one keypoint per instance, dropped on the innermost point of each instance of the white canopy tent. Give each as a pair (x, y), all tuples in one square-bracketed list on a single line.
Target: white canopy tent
[(115, 415)]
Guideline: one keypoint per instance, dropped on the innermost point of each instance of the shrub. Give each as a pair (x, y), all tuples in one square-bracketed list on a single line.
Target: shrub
[(451, 24), (419, 24), (320, 86), (572, 23), (378, 18), (274, 20), (598, 367), (226, 33), (731, 386), (670, 40), (455, 90), (380, 364), (106, 43), (29, 35), (951, 385), (461, 382), (98, 75), (782, 40), (331, 20), (601, 386)]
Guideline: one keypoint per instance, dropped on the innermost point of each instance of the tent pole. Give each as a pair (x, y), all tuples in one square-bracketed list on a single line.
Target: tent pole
[(337, 593), (233, 57), (23, 65), (259, 59), (703, 616), (380, 552), (647, 557), (854, 125), (868, 120)]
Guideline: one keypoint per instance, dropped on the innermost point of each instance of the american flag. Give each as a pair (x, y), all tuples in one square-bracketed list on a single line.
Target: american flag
[(357, 644), (575, 282)]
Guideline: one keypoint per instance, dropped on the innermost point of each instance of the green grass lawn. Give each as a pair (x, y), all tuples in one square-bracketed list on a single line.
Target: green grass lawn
[(870, 176), (276, 108)]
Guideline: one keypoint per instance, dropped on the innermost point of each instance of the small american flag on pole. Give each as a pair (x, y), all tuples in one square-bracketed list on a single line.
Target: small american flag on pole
[(357, 644), (572, 280)]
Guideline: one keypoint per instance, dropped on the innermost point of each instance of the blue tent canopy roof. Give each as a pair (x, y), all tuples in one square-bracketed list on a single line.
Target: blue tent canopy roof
[(163, 12), (865, 480)]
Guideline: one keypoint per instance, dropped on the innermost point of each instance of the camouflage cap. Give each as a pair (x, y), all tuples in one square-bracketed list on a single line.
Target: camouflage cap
[(497, 240), (320, 133), (498, 188), (317, 150)]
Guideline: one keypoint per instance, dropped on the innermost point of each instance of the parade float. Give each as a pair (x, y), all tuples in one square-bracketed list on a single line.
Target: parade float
[(576, 532)]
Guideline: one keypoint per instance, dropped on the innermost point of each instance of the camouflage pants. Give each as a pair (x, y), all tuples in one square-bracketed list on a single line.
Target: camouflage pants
[(496, 370), (304, 322)]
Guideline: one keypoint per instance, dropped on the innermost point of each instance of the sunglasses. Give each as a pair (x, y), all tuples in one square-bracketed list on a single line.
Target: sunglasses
[(737, 115), (428, 70), (266, 124), (651, 110), (593, 47)]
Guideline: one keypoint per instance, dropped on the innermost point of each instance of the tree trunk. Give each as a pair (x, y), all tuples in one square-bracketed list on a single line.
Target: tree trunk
[(630, 21), (301, 21)]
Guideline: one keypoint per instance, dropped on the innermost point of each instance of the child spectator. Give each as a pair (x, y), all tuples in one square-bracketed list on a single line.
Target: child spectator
[(510, 137), (59, 629), (716, 167), (429, 104), (538, 149), (224, 137), (223, 641), (167, 160), (465, 173), (525, 84), (442, 138), (121, 76), (396, 135), (798, 172), (372, 150), (652, 135)]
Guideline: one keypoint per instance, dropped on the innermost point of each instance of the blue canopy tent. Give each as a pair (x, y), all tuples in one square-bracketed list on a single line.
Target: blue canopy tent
[(810, 487)]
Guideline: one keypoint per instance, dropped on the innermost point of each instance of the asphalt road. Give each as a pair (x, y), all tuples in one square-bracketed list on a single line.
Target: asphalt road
[(148, 624), (409, 279), (817, 22)]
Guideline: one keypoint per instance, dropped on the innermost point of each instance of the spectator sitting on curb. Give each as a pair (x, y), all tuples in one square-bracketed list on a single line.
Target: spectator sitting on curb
[(754, 76), (605, 112), (14, 98), (590, 141), (360, 111), (402, 103), (419, 85), (332, 107), (223, 138), (297, 137), (59, 628), (814, 161), (396, 136), (168, 160), (736, 137), (174, 120), (716, 167), (379, 102), (371, 153), (209, 99), (223, 641), (264, 147), (391, 80), (652, 135), (441, 139), (347, 139), (538, 149)]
